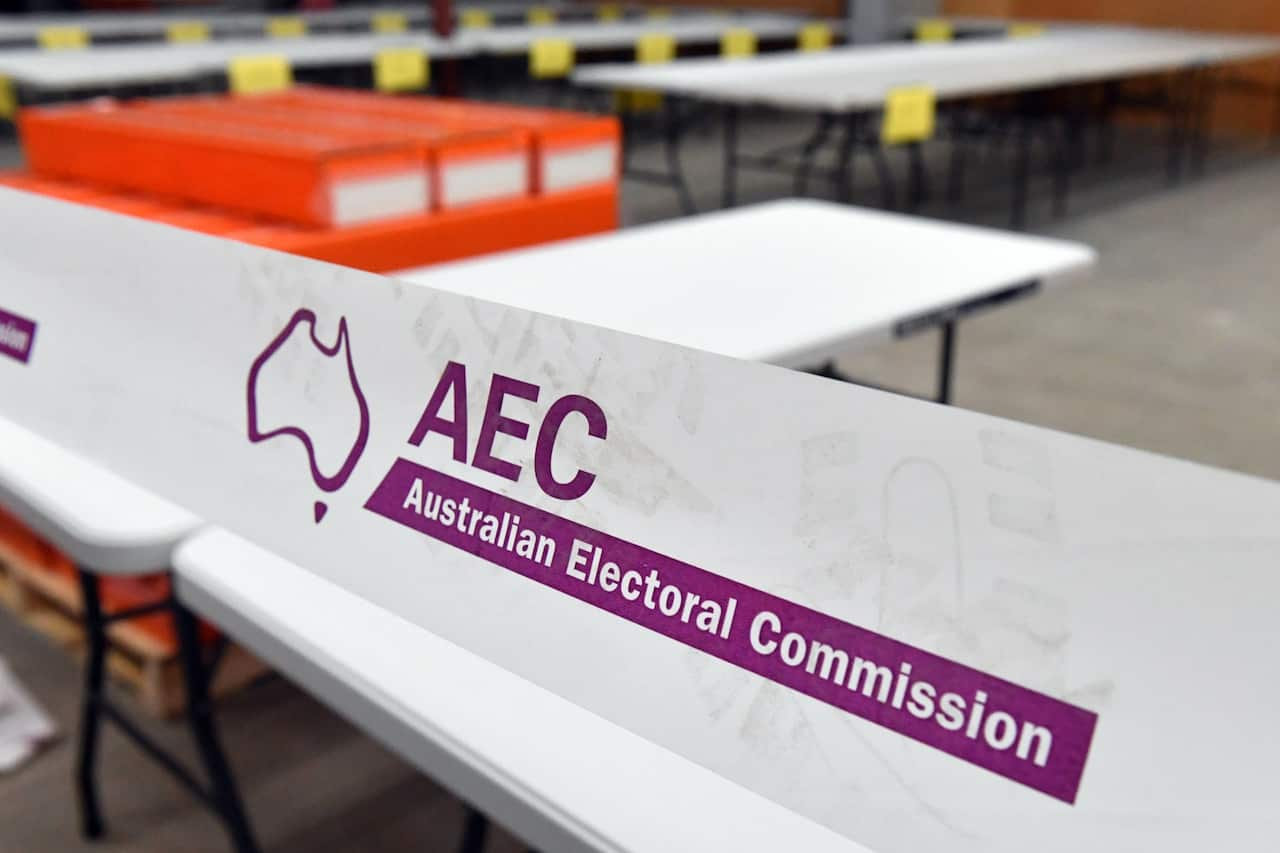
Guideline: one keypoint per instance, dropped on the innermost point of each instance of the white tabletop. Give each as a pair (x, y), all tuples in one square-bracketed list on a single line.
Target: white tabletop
[(687, 29), (789, 282), (114, 65), (103, 522), (227, 22), (131, 64), (561, 777), (860, 77)]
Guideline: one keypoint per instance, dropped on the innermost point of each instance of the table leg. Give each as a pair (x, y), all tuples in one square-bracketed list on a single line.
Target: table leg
[(946, 361), (223, 791), (810, 150), (955, 168), (1180, 97), (671, 144), (91, 714), (1021, 175), (474, 833), (844, 160), (1205, 101), (916, 188), (729, 188)]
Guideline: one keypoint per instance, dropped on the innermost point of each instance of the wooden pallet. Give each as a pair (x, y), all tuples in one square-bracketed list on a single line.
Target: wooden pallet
[(50, 604)]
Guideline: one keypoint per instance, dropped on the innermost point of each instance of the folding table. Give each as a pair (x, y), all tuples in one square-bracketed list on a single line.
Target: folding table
[(108, 525), (848, 86), (44, 73), (794, 283), (139, 26)]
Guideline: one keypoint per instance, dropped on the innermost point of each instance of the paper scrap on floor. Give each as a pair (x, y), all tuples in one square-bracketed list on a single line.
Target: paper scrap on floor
[(24, 726)]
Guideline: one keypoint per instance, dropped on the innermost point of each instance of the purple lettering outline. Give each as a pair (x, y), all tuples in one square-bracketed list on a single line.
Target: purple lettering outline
[(328, 484)]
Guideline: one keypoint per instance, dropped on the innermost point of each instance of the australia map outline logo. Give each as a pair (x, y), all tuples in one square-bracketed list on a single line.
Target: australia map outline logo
[(256, 433)]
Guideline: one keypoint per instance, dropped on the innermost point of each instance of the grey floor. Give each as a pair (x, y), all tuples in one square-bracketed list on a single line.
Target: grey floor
[(1174, 346)]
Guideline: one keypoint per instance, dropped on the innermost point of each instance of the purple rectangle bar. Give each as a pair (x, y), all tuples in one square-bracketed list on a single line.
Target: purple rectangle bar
[(17, 335), (1020, 734)]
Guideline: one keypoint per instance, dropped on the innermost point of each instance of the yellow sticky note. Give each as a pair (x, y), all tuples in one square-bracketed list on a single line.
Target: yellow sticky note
[(813, 37), (1022, 31), (476, 19), (550, 58), (609, 12), (909, 115), (637, 101), (651, 49), (8, 99), (63, 38), (286, 27), (400, 69), (257, 75), (389, 22), (737, 42), (934, 29), (655, 47), (541, 16), (187, 31)]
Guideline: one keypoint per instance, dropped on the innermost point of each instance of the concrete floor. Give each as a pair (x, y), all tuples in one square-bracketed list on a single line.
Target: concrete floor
[(1173, 347)]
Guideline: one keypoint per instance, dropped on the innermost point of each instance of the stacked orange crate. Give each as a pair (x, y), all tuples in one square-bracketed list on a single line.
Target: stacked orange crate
[(570, 150), (315, 178), (465, 167), (505, 178)]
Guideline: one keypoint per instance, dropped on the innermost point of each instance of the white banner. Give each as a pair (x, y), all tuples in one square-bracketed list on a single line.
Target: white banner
[(918, 626)]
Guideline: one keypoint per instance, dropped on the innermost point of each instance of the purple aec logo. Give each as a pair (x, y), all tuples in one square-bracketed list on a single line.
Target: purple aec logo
[(341, 346), (17, 335)]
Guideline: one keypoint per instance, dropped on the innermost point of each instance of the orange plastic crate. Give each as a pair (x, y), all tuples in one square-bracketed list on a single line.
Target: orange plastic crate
[(449, 235), (570, 150), (467, 166), (316, 178)]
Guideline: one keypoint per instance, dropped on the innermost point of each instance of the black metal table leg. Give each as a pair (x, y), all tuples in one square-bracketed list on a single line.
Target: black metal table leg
[(221, 795), (1021, 175), (474, 833), (946, 361), (955, 167), (1205, 100), (844, 159), (729, 188), (810, 150), (671, 143), (916, 182), (91, 715), (1180, 107), (884, 175), (222, 784)]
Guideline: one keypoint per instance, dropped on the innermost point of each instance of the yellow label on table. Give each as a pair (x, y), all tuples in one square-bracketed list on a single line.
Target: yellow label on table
[(8, 99), (550, 58), (1024, 31), (655, 47), (186, 32), (389, 22), (609, 12), (540, 16), (259, 75), (814, 37), (476, 19), (651, 49), (737, 42), (934, 29), (286, 27), (910, 114), (63, 38), (659, 12), (401, 69)]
